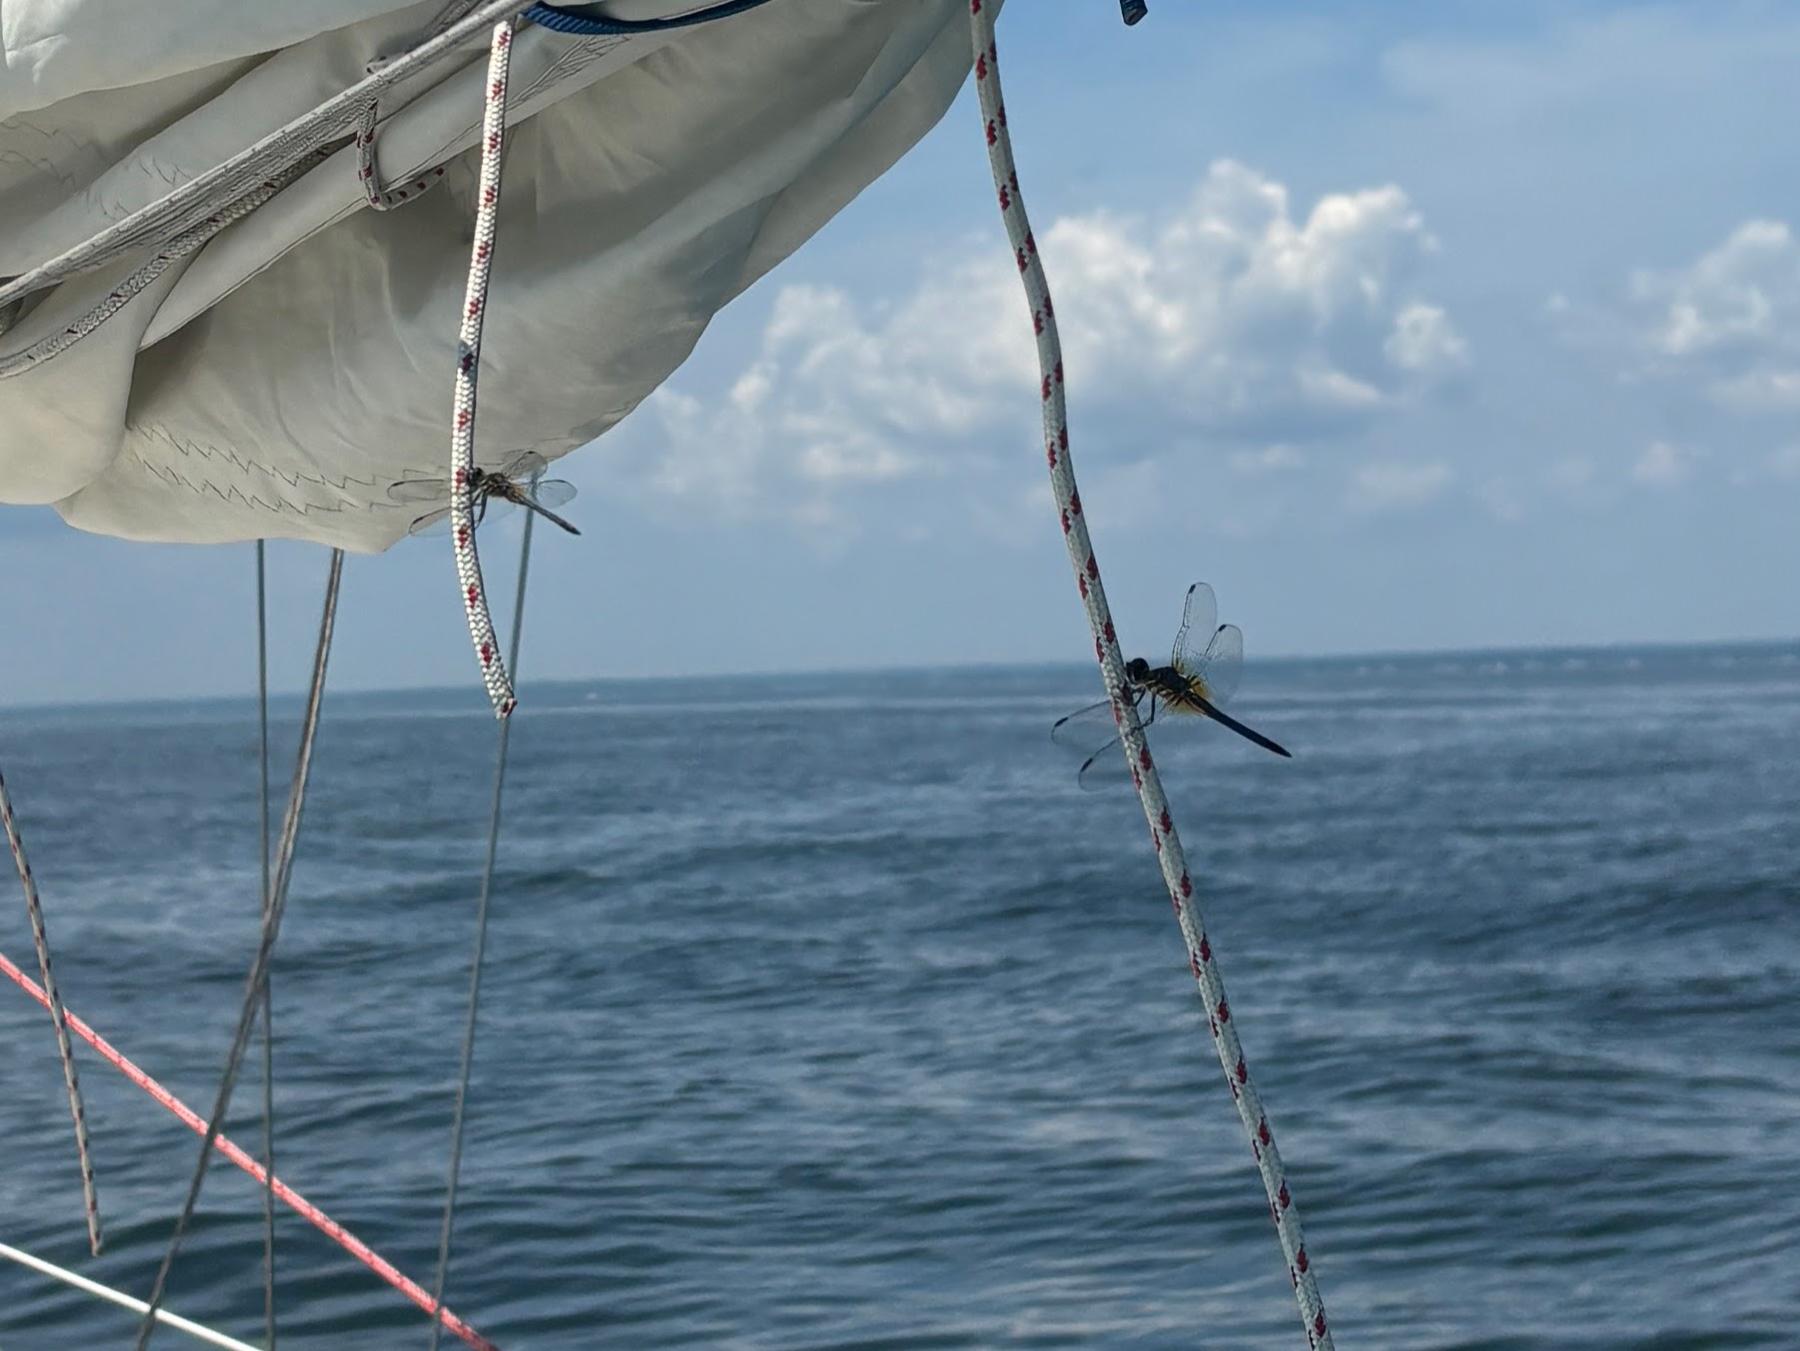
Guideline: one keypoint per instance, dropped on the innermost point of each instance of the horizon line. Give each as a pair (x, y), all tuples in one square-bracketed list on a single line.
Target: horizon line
[(1384, 654)]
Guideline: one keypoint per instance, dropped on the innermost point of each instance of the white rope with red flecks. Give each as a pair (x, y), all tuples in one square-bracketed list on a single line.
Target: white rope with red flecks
[(368, 170), (58, 1016), (1106, 648), (468, 367), (368, 165)]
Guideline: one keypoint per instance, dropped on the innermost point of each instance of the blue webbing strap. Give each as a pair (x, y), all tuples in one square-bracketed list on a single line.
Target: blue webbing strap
[(586, 26)]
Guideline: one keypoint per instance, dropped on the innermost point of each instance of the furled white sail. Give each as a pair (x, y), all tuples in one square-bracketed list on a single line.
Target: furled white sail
[(277, 379)]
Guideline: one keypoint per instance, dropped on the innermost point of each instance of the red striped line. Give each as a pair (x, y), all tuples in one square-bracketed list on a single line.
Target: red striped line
[(361, 1251)]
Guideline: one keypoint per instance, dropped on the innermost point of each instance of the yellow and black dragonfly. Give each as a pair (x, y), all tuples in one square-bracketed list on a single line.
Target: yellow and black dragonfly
[(1202, 675), (518, 482)]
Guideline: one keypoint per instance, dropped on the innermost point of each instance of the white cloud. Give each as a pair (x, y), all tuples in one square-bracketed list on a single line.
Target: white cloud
[(1389, 485), (1424, 340), (1664, 466), (1230, 316), (1733, 295), (1731, 319), (1275, 459), (1333, 390)]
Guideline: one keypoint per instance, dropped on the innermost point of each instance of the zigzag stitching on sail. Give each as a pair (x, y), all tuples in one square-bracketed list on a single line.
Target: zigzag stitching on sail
[(293, 478), (232, 494)]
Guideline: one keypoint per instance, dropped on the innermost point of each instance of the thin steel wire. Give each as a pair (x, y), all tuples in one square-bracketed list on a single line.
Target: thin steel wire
[(481, 923), (268, 999), (34, 909), (271, 927), (311, 1213)]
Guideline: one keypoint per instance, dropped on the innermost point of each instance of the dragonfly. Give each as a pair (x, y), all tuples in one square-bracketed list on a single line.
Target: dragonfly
[(1202, 675), (515, 483)]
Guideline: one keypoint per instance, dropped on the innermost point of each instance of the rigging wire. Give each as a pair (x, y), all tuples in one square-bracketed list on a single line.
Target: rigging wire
[(188, 1117), (481, 924), (58, 1017), (268, 999), (271, 927)]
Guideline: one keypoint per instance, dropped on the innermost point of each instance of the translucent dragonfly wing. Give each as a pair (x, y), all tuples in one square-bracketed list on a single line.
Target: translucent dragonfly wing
[(1086, 729), (431, 519), (523, 465), (514, 476), (434, 520), (1103, 768), (1222, 665), (1091, 734), (436, 488), (1206, 651), (541, 497), (552, 492), (416, 490), (1215, 674), (1199, 618)]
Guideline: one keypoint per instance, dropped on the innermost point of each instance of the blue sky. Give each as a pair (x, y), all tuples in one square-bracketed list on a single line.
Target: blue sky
[(1407, 325)]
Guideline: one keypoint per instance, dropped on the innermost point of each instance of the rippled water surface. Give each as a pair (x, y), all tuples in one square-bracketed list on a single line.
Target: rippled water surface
[(828, 1013)]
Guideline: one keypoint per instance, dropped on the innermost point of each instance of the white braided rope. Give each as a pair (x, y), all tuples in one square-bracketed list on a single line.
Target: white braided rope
[(468, 367), (59, 1018), (449, 14), (1106, 648), (368, 170)]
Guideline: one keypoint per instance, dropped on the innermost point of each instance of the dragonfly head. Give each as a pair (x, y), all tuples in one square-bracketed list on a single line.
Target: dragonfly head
[(1137, 670)]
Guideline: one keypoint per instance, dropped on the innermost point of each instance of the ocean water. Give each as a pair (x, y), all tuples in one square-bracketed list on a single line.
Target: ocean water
[(827, 1012)]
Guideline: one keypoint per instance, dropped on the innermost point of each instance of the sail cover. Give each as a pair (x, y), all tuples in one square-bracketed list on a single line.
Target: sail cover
[(271, 354)]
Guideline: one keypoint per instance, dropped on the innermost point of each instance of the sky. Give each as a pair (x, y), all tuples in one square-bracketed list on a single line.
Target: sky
[(1411, 324)]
